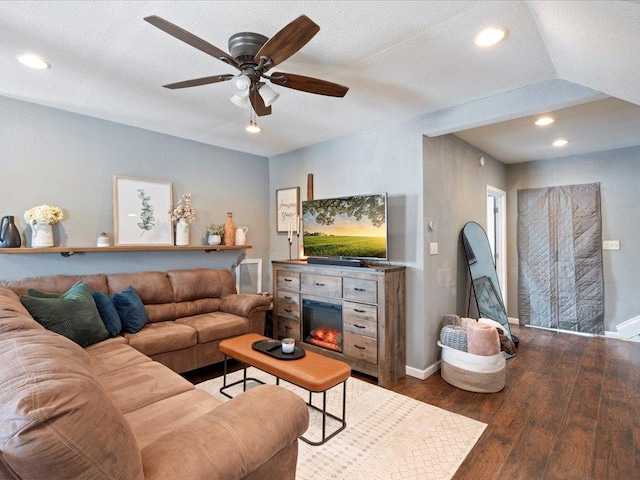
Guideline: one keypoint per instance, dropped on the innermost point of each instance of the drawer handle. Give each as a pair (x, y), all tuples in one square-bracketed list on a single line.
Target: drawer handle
[(360, 326), (319, 284), (359, 311), (359, 347), (287, 297), (360, 289), (288, 280), (288, 310)]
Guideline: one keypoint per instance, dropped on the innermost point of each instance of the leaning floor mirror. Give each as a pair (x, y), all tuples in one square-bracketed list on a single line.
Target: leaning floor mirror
[(484, 278)]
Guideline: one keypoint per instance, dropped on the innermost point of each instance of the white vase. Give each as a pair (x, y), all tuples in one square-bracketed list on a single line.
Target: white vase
[(214, 240), (182, 233), (41, 235)]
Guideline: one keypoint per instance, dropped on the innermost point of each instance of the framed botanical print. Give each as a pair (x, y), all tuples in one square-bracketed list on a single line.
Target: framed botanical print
[(141, 211)]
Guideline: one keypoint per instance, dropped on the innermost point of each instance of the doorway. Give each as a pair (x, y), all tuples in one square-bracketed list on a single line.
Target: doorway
[(497, 234)]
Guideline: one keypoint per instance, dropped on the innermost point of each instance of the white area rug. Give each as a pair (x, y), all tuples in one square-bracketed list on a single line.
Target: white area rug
[(388, 436)]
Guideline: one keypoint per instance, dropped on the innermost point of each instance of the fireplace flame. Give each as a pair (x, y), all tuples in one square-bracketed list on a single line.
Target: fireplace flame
[(326, 338)]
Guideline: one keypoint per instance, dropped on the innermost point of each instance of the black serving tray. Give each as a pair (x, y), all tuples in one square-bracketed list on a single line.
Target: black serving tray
[(274, 349)]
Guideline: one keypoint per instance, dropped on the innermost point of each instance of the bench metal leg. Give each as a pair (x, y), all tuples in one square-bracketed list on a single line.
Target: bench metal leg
[(326, 414)]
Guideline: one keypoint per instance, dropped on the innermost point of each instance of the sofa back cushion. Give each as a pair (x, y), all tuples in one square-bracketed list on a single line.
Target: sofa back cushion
[(153, 288), (197, 283), (56, 283), (13, 315), (56, 420)]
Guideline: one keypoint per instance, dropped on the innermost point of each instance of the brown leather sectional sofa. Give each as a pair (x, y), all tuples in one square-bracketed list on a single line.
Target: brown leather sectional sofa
[(110, 411)]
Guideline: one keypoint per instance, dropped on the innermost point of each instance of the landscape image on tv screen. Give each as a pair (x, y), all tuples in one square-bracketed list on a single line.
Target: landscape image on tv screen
[(346, 227)]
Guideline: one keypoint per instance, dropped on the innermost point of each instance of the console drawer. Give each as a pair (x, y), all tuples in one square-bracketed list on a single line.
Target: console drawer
[(288, 298), (360, 347), (323, 285), (289, 280), (359, 313), (289, 310), (360, 290), (361, 324), (288, 328)]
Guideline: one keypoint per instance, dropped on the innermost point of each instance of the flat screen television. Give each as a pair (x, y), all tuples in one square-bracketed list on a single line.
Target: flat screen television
[(346, 227)]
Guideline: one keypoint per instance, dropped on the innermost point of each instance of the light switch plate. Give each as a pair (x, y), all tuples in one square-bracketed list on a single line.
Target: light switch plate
[(611, 245), (433, 248)]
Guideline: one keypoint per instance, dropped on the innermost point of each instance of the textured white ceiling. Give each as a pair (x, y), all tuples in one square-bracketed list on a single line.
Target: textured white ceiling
[(401, 59)]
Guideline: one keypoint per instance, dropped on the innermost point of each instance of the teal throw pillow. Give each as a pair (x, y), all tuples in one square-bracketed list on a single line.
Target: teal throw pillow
[(32, 292), (108, 313), (73, 314), (131, 310)]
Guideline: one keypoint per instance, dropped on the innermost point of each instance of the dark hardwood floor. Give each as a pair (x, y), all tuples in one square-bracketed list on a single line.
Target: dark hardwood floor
[(570, 410)]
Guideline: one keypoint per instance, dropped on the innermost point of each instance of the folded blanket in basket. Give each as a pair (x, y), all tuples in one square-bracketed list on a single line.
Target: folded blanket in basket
[(454, 336), (482, 339)]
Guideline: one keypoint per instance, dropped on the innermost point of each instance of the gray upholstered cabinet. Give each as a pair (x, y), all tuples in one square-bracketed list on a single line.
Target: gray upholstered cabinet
[(369, 301)]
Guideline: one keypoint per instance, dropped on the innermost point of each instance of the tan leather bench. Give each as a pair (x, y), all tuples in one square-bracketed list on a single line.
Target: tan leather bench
[(313, 372)]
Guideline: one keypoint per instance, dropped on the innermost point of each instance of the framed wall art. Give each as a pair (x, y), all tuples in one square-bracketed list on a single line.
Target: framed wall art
[(141, 211), (287, 202)]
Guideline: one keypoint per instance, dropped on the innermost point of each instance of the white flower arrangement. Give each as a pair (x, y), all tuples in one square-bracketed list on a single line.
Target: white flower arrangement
[(45, 214), (184, 210)]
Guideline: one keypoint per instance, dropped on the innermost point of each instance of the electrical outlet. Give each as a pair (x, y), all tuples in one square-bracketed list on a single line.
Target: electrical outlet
[(611, 245), (433, 248)]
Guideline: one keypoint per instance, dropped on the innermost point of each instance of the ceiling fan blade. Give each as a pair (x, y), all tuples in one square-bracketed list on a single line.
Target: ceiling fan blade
[(191, 39), (199, 81), (258, 104), (288, 40), (309, 84)]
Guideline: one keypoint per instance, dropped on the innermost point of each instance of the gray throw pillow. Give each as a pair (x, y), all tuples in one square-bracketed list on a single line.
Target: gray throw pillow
[(72, 314)]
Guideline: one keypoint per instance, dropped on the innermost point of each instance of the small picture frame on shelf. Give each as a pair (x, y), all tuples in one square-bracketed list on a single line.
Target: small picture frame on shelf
[(141, 211), (287, 209)]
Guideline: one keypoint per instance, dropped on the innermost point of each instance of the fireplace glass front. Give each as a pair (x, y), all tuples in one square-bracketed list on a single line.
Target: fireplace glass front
[(322, 324)]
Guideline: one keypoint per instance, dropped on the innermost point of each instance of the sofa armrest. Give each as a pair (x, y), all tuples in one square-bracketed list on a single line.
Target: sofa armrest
[(232, 440), (244, 304)]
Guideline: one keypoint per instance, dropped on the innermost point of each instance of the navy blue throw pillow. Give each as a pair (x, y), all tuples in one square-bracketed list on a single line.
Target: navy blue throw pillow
[(108, 313), (131, 310)]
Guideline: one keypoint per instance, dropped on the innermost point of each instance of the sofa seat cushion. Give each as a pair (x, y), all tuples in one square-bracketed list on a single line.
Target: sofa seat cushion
[(216, 325), (143, 384), (56, 421), (162, 337), (232, 441), (154, 421), (115, 357)]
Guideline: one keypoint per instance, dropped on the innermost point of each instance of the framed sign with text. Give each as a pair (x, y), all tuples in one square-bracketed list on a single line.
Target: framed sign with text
[(287, 201)]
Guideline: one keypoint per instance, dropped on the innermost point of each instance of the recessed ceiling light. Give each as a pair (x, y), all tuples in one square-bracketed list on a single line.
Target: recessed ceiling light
[(544, 121), (560, 143), (33, 61), (490, 36)]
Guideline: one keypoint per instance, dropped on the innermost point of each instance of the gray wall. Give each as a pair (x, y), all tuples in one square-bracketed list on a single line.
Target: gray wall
[(618, 172), (384, 160), (454, 194), (68, 160)]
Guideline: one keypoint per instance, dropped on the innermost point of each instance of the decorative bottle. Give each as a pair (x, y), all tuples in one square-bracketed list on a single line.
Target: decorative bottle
[(229, 230)]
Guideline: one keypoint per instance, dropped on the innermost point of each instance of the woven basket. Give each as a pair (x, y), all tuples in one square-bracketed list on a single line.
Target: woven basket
[(474, 373)]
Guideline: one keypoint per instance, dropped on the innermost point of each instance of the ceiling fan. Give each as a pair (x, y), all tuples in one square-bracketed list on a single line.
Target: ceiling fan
[(254, 55)]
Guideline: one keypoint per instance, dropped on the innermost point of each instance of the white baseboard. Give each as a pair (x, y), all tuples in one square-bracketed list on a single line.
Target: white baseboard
[(422, 374), (608, 334), (515, 321)]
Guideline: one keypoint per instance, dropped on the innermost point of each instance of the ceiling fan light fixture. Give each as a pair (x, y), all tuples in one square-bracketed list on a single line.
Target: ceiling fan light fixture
[(253, 127), (560, 142), (268, 95), (242, 84), (490, 36), (241, 101)]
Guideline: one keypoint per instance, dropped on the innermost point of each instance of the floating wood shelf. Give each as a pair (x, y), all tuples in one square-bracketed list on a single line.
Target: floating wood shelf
[(68, 251)]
